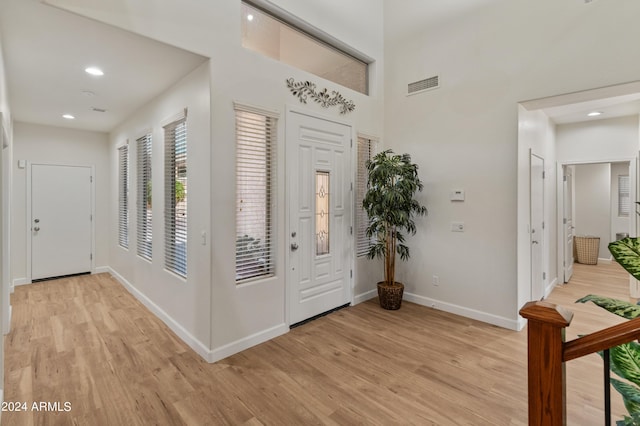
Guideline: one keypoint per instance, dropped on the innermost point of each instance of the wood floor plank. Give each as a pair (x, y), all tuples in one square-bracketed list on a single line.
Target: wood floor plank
[(86, 340)]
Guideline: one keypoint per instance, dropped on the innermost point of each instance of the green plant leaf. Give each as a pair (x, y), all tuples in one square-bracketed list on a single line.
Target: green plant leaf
[(630, 396), (627, 253), (621, 308), (625, 361)]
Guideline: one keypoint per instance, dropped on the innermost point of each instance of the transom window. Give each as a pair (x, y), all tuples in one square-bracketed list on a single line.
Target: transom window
[(279, 39)]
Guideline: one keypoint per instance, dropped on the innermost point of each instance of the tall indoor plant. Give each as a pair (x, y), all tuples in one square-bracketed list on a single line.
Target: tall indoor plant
[(391, 206)]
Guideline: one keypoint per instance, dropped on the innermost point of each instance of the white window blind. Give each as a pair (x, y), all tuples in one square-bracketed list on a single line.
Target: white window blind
[(366, 151), (123, 196), (144, 219), (256, 138), (624, 200), (175, 192)]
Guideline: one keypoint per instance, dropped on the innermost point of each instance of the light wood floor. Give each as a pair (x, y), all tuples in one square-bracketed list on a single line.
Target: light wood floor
[(87, 341)]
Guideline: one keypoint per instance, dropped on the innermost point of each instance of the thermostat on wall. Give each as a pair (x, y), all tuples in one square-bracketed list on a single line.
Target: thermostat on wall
[(457, 195)]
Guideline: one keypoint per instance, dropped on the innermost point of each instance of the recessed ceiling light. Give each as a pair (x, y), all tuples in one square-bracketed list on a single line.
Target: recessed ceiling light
[(94, 71), (68, 116), (249, 17), (594, 114)]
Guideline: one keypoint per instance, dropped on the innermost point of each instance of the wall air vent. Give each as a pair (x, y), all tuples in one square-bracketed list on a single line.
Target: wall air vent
[(423, 85), (98, 109)]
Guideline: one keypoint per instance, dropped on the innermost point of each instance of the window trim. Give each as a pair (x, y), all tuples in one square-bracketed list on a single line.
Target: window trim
[(123, 195), (360, 239), (144, 250), (290, 19), (621, 212), (272, 190), (169, 262)]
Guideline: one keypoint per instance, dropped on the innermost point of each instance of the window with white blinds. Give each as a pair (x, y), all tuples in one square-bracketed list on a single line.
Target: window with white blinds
[(366, 151), (256, 139), (175, 196), (624, 200), (123, 196), (144, 219)]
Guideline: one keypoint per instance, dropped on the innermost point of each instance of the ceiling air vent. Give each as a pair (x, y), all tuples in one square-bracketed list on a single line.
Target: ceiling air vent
[(95, 109), (423, 85)]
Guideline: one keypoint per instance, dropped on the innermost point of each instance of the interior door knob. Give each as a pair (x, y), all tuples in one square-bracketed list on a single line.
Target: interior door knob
[(37, 228)]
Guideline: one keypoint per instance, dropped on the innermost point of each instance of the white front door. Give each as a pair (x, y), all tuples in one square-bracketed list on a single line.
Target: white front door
[(537, 227), (567, 221), (60, 220), (319, 238)]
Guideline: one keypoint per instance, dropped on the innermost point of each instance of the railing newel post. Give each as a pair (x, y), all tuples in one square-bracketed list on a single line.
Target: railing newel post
[(546, 373)]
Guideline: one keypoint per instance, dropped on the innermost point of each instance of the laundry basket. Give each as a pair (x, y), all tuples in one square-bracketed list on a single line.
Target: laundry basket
[(587, 249)]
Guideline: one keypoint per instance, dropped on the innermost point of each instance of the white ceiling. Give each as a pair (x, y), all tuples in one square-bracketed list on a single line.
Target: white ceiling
[(46, 51)]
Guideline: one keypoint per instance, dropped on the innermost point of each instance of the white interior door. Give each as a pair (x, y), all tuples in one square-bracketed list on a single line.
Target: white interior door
[(537, 227), (320, 232), (567, 221), (60, 221)]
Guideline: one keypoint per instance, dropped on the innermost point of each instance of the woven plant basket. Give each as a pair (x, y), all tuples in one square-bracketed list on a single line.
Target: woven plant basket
[(587, 249), (390, 296)]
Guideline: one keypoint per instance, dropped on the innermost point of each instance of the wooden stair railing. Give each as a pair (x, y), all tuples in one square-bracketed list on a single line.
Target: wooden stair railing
[(548, 352)]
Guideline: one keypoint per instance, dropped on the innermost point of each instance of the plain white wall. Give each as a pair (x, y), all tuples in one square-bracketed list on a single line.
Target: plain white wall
[(242, 316), (464, 134), (592, 215), (57, 145), (618, 223), (536, 135), (598, 141), (5, 173), (185, 305)]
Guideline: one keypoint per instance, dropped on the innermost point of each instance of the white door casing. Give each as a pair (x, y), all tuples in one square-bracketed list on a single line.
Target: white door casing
[(537, 226), (59, 217), (567, 222), (319, 195)]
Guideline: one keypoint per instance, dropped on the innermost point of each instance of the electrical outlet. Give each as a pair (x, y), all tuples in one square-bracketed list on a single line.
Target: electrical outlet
[(436, 280), (457, 226)]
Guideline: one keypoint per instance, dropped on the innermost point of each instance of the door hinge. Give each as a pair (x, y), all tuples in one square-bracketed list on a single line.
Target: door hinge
[(564, 221), (90, 218), (542, 225), (544, 175), (564, 178), (351, 230), (351, 273), (351, 142), (90, 178), (544, 275), (90, 256), (352, 186)]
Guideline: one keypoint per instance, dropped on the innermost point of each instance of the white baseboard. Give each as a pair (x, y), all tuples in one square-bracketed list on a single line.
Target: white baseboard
[(247, 342), (363, 297), (511, 324), (200, 348), (522, 323), (20, 281), (102, 270), (7, 324), (550, 287)]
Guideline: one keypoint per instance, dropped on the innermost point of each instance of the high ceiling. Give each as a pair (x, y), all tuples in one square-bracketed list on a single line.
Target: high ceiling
[(46, 51)]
